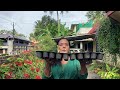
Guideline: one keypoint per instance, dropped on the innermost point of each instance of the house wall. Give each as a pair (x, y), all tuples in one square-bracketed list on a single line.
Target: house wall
[(74, 29), (19, 46), (83, 31), (10, 46)]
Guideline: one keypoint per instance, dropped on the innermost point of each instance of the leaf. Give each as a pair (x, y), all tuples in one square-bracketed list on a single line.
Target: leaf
[(108, 68), (116, 70)]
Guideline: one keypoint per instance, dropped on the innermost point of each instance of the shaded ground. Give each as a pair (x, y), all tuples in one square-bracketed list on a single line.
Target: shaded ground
[(92, 75)]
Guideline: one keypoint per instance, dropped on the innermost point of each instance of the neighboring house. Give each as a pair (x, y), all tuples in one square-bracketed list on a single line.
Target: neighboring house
[(9, 46), (88, 44), (74, 27), (84, 28)]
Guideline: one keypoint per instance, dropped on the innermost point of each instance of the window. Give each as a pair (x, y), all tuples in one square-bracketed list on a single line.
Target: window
[(86, 48)]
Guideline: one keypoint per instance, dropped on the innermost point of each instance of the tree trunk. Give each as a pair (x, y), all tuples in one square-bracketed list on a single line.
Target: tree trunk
[(58, 23)]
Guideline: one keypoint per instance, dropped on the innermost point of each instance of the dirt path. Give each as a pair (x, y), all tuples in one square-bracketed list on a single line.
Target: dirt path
[(92, 75)]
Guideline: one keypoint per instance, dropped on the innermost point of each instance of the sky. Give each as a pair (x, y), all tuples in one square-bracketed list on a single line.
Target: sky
[(25, 20)]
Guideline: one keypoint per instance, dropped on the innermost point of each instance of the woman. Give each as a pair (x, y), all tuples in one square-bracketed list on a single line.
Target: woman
[(71, 69)]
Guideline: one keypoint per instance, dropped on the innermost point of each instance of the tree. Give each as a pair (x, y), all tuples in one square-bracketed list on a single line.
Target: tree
[(65, 31), (45, 26), (47, 44), (95, 15), (109, 38), (11, 32), (51, 12), (48, 26), (45, 30)]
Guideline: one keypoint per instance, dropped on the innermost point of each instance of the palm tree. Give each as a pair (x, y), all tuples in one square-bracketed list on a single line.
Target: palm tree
[(51, 12)]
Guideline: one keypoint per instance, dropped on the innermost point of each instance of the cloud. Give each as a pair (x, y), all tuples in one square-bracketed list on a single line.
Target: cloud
[(25, 20), (7, 13)]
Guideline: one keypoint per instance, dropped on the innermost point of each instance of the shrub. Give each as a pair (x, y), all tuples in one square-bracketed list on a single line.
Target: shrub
[(24, 66)]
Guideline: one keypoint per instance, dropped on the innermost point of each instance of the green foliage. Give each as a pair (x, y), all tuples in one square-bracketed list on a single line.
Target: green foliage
[(11, 32), (110, 73), (65, 31), (48, 26), (108, 35), (47, 44), (45, 26), (110, 69), (95, 15), (1, 42), (5, 31), (95, 65), (109, 38), (45, 30), (105, 71), (26, 66)]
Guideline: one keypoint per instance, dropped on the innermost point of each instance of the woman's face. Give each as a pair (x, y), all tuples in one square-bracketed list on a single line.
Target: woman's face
[(63, 46)]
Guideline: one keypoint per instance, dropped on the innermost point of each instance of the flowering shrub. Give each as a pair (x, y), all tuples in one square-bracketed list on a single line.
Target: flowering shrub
[(24, 66)]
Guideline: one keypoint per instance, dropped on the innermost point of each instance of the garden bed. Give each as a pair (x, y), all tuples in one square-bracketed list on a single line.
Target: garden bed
[(105, 71), (24, 66)]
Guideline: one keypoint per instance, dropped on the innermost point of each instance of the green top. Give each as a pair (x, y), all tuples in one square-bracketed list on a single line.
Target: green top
[(85, 25), (71, 70)]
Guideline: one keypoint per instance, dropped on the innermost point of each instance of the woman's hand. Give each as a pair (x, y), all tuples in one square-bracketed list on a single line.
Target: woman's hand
[(47, 69), (83, 68)]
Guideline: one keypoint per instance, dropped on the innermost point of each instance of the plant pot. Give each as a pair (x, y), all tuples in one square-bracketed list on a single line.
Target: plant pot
[(65, 56), (58, 56), (99, 56), (39, 54), (72, 56), (79, 56), (93, 55), (45, 55), (51, 55), (87, 55)]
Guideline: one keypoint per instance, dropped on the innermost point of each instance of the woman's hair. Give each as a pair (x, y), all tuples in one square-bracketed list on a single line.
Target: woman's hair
[(61, 39)]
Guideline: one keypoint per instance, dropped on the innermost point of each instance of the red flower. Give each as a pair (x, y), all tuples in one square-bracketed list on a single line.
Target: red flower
[(8, 76), (18, 63), (26, 75), (28, 62), (10, 73), (37, 69), (38, 77)]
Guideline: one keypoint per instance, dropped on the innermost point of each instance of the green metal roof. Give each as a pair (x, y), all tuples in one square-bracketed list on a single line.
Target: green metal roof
[(84, 25)]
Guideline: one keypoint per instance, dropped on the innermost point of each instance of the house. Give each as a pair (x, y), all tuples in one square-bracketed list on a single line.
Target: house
[(114, 15), (74, 27), (84, 40), (10, 44), (82, 30)]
